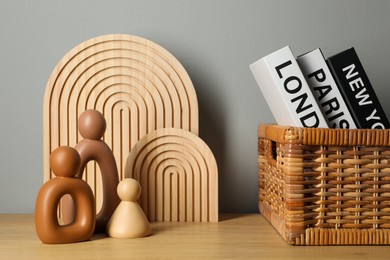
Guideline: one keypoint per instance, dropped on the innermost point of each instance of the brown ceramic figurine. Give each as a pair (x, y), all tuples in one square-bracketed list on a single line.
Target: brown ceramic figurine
[(65, 162), (128, 220), (92, 126)]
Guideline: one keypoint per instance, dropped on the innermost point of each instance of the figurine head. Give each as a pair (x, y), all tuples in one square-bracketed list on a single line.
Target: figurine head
[(65, 161), (92, 124), (129, 189)]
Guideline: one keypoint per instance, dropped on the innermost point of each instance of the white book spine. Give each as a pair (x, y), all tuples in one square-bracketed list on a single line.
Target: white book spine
[(325, 90), (286, 91)]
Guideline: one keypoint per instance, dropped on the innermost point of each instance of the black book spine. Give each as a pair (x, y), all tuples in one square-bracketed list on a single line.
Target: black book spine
[(357, 90)]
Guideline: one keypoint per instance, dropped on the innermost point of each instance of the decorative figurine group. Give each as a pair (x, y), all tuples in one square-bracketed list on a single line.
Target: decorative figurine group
[(120, 215)]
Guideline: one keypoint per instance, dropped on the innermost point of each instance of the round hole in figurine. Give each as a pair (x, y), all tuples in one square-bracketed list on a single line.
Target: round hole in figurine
[(67, 198)]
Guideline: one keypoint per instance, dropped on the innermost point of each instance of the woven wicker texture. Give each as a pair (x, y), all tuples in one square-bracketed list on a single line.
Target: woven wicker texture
[(325, 186)]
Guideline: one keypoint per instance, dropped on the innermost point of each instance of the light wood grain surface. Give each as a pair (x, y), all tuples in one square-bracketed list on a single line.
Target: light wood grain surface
[(234, 237)]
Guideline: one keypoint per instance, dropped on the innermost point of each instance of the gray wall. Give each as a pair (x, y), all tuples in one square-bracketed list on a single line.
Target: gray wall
[(215, 40)]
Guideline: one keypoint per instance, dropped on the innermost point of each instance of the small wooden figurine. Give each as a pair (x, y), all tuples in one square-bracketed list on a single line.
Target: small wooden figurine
[(65, 162), (128, 220), (92, 126)]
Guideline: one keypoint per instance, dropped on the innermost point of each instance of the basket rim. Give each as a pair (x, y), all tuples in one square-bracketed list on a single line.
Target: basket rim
[(324, 136)]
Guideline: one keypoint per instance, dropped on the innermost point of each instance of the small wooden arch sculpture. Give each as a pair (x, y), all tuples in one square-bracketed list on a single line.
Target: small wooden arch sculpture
[(136, 84), (178, 175)]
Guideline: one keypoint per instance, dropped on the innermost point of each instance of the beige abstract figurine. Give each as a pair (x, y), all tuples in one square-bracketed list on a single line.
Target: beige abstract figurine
[(128, 220), (65, 162), (92, 126)]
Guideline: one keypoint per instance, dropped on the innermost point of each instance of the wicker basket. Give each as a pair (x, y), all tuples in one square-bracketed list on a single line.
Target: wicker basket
[(325, 186)]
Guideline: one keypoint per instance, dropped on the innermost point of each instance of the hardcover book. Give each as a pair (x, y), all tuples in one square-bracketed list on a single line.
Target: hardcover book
[(286, 91), (357, 90), (325, 90)]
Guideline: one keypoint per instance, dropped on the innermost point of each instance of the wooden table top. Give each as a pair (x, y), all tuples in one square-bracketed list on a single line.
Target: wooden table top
[(236, 236)]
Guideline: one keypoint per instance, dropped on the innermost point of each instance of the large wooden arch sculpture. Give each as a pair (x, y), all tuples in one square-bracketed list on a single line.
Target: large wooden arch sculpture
[(178, 175), (136, 84)]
